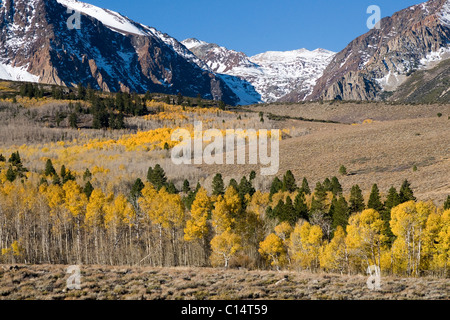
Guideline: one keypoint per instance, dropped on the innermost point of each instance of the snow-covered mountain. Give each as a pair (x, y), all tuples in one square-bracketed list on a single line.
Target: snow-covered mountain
[(109, 51), (273, 74), (381, 60)]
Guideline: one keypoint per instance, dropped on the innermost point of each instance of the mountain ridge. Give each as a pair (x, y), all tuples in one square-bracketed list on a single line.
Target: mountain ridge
[(273, 74), (110, 52), (381, 60)]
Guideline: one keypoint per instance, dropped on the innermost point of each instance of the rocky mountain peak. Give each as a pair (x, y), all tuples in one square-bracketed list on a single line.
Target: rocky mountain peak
[(109, 52), (381, 60)]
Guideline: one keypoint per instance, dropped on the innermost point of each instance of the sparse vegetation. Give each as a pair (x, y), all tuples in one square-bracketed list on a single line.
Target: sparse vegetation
[(76, 194)]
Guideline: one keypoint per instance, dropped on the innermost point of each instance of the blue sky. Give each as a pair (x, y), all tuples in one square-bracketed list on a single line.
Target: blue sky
[(255, 26)]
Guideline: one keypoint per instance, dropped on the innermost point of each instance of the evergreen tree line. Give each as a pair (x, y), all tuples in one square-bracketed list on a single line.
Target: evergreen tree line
[(69, 219)]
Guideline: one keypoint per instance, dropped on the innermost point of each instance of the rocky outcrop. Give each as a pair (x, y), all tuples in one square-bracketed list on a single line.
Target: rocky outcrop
[(111, 54), (382, 59)]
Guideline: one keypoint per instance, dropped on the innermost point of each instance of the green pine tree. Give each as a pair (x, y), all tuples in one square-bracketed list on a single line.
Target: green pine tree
[(73, 120), (340, 214), (158, 177), (375, 200), (87, 175), (49, 169), (56, 180), (233, 183), (171, 188), (276, 186), (305, 187), (336, 187), (11, 174), (136, 190), (88, 189), (278, 211), (63, 172), (289, 183), (301, 208), (289, 213), (392, 199), (356, 200), (318, 202), (447, 203), (327, 185), (406, 193), (186, 186), (218, 187)]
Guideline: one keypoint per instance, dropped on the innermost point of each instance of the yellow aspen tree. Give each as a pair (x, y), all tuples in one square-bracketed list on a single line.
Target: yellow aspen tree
[(95, 209), (75, 202), (408, 224), (224, 246), (304, 245), (74, 199), (94, 219), (197, 228), (258, 204), (118, 215), (365, 239), (166, 211), (58, 219), (273, 250), (284, 230), (441, 252), (171, 215), (118, 212), (233, 202), (226, 210), (149, 204), (432, 229), (225, 214), (252, 225), (333, 255)]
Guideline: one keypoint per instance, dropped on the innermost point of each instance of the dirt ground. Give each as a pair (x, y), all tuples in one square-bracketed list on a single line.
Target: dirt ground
[(49, 282)]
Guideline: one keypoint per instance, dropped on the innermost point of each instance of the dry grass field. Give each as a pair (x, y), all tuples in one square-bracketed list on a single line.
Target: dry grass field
[(383, 151), (48, 282), (355, 112)]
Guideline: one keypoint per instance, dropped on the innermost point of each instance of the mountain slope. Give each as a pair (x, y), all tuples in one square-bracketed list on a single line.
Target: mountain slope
[(109, 52), (381, 60), (425, 86), (273, 74)]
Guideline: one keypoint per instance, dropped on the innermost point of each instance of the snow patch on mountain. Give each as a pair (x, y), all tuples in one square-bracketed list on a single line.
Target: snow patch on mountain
[(433, 58), (109, 18), (192, 43), (8, 72), (444, 15), (273, 74), (243, 89)]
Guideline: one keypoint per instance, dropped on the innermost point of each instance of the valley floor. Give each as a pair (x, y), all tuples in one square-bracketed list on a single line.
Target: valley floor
[(48, 282)]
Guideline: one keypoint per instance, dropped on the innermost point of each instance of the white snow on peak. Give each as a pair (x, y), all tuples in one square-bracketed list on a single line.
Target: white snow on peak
[(121, 24), (8, 72), (192, 43), (286, 56), (273, 74), (444, 15), (109, 18)]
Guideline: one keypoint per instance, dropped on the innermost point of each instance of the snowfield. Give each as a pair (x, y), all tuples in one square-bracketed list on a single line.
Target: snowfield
[(8, 72)]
